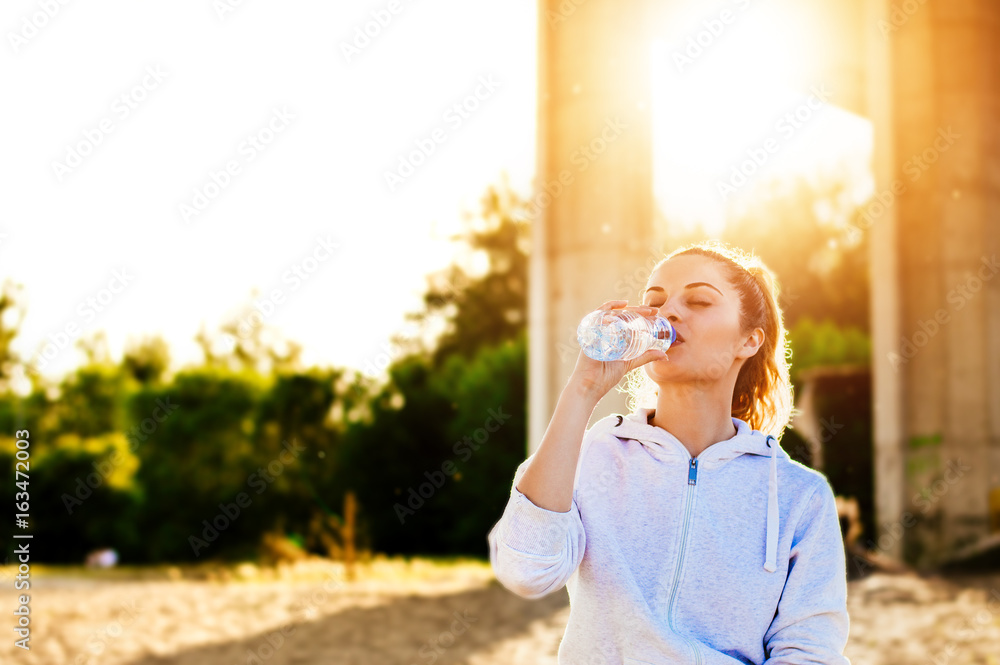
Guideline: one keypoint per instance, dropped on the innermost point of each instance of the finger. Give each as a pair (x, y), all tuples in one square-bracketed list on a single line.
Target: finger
[(643, 309), (651, 355), (614, 304)]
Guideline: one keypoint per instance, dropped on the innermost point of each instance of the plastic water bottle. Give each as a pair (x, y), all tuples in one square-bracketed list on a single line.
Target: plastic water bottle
[(618, 334)]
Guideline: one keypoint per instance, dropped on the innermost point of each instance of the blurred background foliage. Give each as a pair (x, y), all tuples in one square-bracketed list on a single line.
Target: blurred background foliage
[(125, 455)]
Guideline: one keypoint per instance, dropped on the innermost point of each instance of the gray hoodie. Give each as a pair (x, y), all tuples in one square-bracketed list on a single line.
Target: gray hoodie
[(735, 556)]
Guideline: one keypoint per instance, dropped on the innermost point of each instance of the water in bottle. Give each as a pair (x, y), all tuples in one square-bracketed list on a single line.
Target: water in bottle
[(619, 334)]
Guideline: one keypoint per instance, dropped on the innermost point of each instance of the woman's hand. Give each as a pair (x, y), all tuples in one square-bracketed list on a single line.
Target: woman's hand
[(596, 377)]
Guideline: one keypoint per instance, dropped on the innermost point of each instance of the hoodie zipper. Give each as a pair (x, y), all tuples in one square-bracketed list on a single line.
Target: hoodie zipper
[(688, 501)]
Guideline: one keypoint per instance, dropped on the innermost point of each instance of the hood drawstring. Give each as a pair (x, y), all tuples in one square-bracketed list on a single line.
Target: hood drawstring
[(771, 553)]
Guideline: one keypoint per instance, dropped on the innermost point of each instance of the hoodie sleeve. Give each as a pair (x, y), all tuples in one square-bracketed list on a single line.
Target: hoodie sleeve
[(811, 623), (534, 551)]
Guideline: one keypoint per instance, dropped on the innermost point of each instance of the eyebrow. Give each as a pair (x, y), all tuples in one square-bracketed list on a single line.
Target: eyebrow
[(689, 286)]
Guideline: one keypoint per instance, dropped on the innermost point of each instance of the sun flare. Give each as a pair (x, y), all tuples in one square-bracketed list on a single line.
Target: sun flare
[(727, 116)]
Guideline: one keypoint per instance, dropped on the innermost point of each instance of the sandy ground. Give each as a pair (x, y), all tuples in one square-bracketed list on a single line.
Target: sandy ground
[(404, 613)]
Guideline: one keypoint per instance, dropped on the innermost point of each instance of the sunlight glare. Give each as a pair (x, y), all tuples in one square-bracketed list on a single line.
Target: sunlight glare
[(718, 98)]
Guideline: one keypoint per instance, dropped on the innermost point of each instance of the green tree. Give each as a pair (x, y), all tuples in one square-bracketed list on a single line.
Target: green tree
[(194, 440), (243, 342), (12, 313), (483, 310), (825, 343), (298, 430), (425, 419), (147, 360), (384, 458), (435, 463), (492, 390)]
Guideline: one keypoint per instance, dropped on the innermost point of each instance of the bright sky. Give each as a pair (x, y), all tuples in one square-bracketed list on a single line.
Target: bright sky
[(243, 145), (317, 171)]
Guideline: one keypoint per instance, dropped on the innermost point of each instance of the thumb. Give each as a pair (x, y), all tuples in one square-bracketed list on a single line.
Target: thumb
[(656, 354), (649, 355)]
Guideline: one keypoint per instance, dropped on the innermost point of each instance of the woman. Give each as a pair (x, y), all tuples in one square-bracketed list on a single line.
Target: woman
[(684, 534)]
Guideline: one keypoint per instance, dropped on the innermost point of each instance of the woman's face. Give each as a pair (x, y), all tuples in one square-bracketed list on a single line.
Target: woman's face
[(691, 292)]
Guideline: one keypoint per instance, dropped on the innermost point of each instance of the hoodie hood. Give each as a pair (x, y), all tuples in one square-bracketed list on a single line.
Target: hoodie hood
[(747, 441)]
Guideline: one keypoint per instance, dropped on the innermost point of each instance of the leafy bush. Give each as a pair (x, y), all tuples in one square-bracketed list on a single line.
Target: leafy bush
[(824, 343)]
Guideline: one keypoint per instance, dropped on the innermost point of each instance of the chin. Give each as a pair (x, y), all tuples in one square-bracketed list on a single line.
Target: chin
[(658, 369), (670, 371)]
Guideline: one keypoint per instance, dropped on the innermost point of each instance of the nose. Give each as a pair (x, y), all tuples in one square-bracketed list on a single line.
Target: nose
[(668, 311)]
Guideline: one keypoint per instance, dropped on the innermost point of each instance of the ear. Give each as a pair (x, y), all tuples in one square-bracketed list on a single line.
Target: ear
[(751, 344)]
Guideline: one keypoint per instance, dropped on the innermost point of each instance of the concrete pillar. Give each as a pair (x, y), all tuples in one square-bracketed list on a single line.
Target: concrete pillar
[(593, 197), (884, 303), (946, 74)]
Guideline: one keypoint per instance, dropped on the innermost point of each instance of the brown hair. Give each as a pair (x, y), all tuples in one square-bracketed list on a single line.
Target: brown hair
[(762, 395)]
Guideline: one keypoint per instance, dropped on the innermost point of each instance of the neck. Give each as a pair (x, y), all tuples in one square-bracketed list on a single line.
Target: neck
[(695, 416)]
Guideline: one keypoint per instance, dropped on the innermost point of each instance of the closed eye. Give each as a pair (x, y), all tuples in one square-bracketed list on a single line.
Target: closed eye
[(693, 302)]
